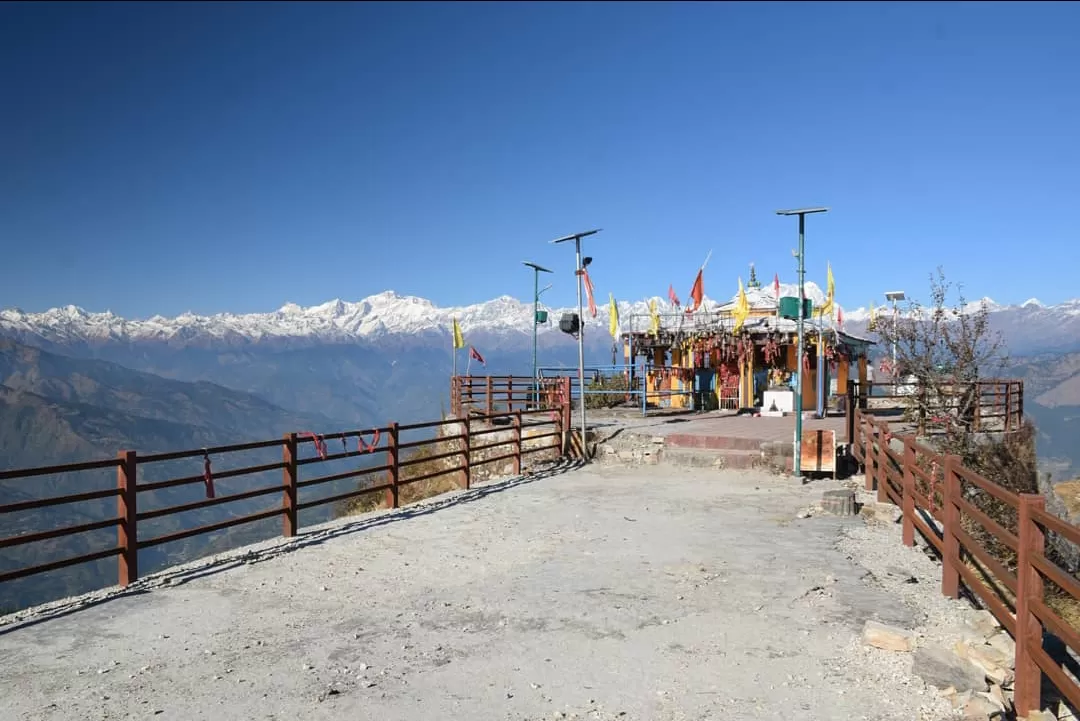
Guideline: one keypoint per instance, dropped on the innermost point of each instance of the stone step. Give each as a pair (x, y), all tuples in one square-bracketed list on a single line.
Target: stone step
[(707, 458), (713, 443)]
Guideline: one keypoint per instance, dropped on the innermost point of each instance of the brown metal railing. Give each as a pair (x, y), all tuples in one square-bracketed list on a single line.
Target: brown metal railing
[(937, 495), (485, 395), (451, 442), (992, 405)]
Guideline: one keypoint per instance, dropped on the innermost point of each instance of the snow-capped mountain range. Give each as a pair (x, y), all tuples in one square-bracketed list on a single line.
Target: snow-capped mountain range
[(1028, 327), (386, 313)]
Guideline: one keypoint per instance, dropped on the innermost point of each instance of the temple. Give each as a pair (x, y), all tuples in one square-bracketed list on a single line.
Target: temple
[(699, 360)]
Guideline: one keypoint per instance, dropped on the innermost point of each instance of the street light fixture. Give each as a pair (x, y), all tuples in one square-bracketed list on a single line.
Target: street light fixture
[(579, 271), (895, 296), (537, 270), (801, 255)]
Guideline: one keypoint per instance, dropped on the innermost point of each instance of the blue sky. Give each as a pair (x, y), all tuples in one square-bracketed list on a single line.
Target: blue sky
[(163, 158)]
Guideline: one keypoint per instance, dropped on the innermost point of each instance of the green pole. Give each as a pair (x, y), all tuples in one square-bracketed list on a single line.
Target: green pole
[(797, 465)]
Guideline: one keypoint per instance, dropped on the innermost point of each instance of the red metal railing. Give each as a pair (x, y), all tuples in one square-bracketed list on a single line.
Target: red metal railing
[(937, 495), (448, 445)]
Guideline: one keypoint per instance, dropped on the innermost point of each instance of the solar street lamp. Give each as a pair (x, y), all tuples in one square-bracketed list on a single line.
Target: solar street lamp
[(579, 271), (801, 255), (537, 270)]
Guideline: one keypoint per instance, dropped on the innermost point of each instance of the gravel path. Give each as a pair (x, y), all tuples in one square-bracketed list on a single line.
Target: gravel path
[(606, 593)]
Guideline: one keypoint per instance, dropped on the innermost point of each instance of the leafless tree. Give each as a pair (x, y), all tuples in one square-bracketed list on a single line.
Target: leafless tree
[(944, 346)]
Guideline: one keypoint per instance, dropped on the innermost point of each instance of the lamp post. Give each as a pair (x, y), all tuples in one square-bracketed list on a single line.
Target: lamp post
[(895, 296), (537, 270), (579, 271), (801, 255)]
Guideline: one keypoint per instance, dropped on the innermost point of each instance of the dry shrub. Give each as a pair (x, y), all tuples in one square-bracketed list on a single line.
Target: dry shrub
[(447, 480)]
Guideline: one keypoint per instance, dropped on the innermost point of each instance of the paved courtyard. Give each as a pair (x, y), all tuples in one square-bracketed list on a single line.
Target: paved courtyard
[(605, 593)]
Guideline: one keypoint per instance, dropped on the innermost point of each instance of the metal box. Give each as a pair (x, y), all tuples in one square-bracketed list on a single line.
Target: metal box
[(789, 308)]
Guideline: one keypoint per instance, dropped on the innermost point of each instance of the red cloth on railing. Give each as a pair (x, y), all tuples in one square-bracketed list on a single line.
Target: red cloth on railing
[(208, 475), (320, 444), (367, 448)]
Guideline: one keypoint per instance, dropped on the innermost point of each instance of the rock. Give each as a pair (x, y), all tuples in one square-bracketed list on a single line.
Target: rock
[(885, 513), (982, 621), (960, 700), (940, 667), (996, 665), (1041, 716), (804, 513), (996, 697), (979, 708), (839, 502), (1004, 643), (889, 638)]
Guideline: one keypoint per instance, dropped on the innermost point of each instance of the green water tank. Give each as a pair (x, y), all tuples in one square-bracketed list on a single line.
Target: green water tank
[(789, 308), (541, 316)]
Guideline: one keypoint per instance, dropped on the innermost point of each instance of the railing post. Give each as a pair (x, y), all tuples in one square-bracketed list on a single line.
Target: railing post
[(288, 486), (1019, 402), (517, 443), (1008, 407), (127, 536), (395, 469), (977, 387), (1029, 588), (490, 396), (510, 393), (908, 499), (882, 475), (950, 544), (467, 440), (567, 427), (850, 420)]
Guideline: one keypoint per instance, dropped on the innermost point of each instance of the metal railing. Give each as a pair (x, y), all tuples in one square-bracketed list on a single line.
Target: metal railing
[(949, 505), (457, 444)]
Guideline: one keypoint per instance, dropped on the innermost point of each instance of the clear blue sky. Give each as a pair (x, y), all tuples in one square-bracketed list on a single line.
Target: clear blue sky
[(162, 158)]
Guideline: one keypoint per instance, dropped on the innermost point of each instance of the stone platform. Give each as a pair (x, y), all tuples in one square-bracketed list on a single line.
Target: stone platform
[(719, 439)]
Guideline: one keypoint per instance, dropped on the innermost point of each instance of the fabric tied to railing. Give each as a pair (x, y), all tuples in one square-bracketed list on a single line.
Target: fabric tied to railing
[(208, 475)]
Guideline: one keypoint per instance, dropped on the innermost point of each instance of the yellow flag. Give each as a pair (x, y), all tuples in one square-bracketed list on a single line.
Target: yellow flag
[(459, 340), (654, 315), (742, 308), (872, 325), (830, 291), (613, 323)]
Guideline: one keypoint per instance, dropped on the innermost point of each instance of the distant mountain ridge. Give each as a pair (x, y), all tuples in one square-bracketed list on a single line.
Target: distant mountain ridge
[(383, 314), (1030, 327)]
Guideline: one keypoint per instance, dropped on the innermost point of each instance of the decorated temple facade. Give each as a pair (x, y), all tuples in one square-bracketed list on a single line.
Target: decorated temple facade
[(731, 356)]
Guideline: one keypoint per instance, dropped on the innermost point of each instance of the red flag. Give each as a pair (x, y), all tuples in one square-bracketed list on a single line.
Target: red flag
[(697, 293), (475, 355), (840, 318), (776, 286), (589, 293), (671, 295)]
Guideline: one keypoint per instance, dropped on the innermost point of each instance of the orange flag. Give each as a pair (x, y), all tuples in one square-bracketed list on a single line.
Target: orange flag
[(589, 293), (697, 293)]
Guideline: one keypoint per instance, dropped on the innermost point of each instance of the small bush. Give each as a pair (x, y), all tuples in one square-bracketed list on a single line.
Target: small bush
[(619, 383)]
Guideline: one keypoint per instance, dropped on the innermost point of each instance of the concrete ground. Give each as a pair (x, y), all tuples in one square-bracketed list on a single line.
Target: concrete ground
[(607, 593)]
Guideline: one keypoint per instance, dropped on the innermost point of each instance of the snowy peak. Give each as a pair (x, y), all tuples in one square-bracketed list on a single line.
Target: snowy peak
[(383, 314)]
